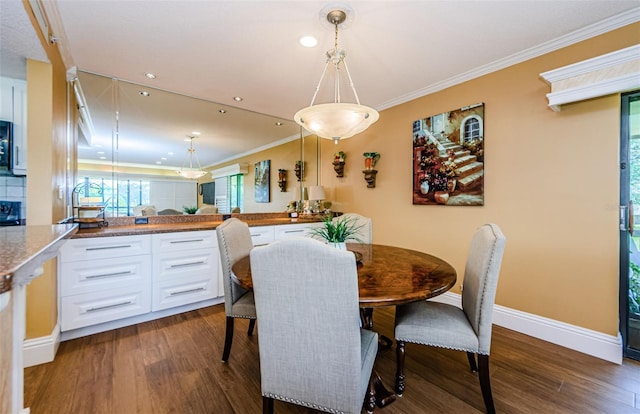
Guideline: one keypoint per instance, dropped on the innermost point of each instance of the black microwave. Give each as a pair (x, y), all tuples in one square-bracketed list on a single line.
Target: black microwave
[(6, 142)]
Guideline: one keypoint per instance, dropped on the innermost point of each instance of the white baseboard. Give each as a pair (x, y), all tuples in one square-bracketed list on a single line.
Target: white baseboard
[(41, 350), (587, 341)]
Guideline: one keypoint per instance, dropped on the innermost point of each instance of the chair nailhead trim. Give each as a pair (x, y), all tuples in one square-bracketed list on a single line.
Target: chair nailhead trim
[(303, 403)]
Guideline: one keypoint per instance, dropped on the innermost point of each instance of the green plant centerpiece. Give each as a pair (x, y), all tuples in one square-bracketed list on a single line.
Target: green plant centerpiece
[(189, 209), (337, 231)]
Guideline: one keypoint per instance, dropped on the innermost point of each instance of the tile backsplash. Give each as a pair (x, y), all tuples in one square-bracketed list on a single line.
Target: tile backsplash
[(14, 189)]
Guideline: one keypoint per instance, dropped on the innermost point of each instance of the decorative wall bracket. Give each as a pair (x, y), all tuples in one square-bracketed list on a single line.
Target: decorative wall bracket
[(370, 177), (282, 180), (338, 163), (299, 169)]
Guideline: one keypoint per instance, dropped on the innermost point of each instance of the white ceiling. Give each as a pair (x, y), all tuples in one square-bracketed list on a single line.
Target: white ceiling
[(215, 50)]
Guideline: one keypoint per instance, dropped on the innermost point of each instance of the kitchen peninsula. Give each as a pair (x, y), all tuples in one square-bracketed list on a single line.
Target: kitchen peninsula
[(127, 273), (24, 251)]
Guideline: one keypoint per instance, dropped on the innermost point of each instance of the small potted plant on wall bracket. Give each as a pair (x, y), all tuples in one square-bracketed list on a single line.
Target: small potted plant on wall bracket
[(299, 169), (282, 179), (370, 161), (338, 163)]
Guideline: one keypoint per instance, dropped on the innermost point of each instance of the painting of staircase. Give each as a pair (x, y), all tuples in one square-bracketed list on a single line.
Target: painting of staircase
[(453, 142)]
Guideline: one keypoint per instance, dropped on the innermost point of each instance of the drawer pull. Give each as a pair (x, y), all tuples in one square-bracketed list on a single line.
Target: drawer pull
[(294, 231), (115, 305), (186, 241), (182, 292), (256, 234), (123, 246), (126, 272), (173, 266)]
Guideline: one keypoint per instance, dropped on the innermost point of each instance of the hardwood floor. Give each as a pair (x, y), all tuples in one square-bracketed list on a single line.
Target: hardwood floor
[(173, 365)]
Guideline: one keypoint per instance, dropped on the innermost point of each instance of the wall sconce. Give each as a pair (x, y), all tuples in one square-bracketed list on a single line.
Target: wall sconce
[(299, 169), (338, 163), (282, 180)]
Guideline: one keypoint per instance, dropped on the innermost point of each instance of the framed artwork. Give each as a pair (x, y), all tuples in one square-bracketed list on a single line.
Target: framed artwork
[(262, 179), (448, 158)]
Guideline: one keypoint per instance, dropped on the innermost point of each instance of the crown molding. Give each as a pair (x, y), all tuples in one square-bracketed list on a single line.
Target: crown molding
[(596, 29)]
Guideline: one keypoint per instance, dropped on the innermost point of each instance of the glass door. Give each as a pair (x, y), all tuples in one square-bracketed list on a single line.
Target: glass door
[(630, 224)]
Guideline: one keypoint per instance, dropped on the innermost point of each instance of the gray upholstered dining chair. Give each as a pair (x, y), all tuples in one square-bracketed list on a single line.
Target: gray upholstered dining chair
[(234, 242), (364, 224), (312, 350), (447, 326)]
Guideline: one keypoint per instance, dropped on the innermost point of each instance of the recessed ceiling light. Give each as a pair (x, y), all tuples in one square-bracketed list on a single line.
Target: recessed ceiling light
[(158, 162), (163, 158), (144, 93), (150, 75), (223, 111), (169, 153), (278, 123), (237, 98), (103, 158), (101, 152), (308, 41), (196, 133)]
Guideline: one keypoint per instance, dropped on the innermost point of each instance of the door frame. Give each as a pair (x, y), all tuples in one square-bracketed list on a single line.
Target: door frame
[(625, 196)]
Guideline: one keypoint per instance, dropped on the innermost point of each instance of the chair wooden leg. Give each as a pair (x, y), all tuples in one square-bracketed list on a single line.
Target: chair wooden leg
[(400, 368), (472, 361), (228, 339), (267, 405), (485, 383), (252, 324), (370, 398)]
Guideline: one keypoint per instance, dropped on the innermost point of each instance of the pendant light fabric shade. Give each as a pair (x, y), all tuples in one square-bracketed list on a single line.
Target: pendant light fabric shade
[(336, 120), (316, 192)]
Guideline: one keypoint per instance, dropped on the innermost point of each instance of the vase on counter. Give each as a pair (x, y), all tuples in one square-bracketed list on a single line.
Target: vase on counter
[(339, 245)]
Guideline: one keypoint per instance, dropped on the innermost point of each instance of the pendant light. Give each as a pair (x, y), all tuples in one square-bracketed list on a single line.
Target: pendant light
[(337, 120), (191, 172)]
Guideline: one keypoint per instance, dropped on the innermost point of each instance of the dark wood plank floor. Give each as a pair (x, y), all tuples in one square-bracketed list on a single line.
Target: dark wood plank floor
[(173, 365)]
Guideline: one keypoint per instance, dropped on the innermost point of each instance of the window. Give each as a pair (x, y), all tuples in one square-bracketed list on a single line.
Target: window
[(229, 193), (120, 196), (471, 128)]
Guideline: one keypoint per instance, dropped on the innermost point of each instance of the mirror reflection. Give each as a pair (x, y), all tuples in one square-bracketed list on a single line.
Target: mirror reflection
[(132, 140)]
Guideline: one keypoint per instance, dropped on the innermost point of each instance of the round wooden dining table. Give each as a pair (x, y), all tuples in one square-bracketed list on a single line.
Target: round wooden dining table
[(387, 275)]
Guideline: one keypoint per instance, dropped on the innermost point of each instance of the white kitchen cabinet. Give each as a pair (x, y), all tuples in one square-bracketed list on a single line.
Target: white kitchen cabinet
[(185, 268), (13, 108), (104, 279), (294, 230), (262, 234), (105, 247)]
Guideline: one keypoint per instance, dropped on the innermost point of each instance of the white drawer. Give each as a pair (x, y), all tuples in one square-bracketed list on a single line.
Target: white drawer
[(181, 291), (97, 275), (262, 234), (177, 265), (292, 230), (105, 247), (92, 308), (185, 240)]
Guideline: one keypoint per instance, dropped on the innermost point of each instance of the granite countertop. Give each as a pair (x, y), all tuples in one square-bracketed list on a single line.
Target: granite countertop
[(25, 248), (125, 226)]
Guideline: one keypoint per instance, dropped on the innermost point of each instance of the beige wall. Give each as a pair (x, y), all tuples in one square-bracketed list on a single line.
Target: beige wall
[(50, 149), (551, 183)]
